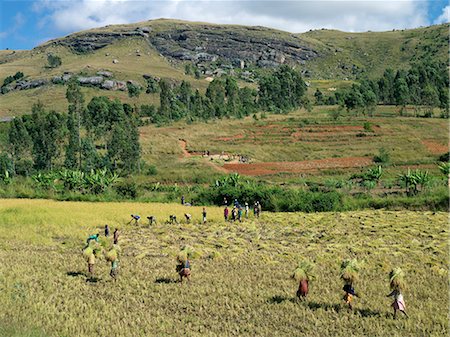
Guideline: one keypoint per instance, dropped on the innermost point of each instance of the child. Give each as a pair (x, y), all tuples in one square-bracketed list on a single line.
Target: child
[(397, 285), (204, 215)]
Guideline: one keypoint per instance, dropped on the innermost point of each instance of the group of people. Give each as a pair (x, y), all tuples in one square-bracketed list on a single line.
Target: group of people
[(349, 275), (91, 252), (237, 210)]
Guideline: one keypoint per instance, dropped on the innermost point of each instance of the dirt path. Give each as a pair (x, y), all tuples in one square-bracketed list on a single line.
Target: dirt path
[(183, 145)]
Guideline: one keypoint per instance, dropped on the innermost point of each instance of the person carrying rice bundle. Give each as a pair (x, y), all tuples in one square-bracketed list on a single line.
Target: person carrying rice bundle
[(183, 267), (302, 274), (397, 285), (113, 256), (90, 253), (349, 274)]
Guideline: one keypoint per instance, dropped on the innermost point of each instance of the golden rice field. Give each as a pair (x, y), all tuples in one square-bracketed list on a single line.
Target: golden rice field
[(241, 282)]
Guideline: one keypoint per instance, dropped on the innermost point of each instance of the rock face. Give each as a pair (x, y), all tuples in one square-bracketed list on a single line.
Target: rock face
[(242, 46), (235, 45)]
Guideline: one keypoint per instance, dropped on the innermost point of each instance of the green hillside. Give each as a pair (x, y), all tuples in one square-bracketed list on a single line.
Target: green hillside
[(162, 48)]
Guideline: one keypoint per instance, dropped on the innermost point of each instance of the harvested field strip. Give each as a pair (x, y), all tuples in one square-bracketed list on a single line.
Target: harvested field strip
[(434, 147), (257, 169)]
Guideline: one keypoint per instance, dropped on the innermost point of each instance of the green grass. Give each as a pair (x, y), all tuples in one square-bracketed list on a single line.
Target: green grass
[(241, 281)]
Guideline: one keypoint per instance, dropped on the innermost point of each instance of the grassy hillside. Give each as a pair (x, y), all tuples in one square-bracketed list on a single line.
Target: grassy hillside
[(328, 58), (240, 276), (371, 53)]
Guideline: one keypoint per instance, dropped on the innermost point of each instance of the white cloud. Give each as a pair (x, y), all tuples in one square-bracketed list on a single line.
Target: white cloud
[(293, 16), (444, 17)]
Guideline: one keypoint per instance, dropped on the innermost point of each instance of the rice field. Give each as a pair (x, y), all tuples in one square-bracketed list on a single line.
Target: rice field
[(241, 272)]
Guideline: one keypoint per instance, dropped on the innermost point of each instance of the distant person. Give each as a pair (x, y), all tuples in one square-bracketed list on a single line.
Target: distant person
[(151, 220), (236, 203), (184, 270), (173, 219), (188, 217), (116, 236), (135, 218), (239, 211), (204, 215), (234, 213), (259, 209), (182, 199), (255, 210), (246, 210), (91, 263), (349, 292), (114, 269), (225, 201), (106, 230), (92, 237), (225, 213)]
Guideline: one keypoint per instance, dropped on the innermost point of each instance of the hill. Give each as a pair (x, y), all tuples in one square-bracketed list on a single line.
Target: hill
[(162, 48)]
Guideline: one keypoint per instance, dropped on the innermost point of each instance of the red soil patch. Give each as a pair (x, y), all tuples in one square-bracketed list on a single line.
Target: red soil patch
[(435, 148), (258, 169), (183, 145)]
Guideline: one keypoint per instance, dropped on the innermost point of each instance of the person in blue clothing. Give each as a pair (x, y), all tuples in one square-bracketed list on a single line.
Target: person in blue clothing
[(92, 237), (184, 270), (135, 218)]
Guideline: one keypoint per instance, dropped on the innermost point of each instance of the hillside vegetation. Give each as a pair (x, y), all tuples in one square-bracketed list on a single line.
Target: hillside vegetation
[(161, 48)]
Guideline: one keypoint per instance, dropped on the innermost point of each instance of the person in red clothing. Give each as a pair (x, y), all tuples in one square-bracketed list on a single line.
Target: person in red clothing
[(225, 213), (302, 289)]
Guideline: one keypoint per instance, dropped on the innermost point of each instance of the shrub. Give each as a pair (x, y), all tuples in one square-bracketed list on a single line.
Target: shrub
[(368, 127), (151, 171), (444, 157), (383, 156), (127, 190), (54, 61)]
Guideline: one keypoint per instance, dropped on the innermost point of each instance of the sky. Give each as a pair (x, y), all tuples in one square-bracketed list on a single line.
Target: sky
[(24, 24)]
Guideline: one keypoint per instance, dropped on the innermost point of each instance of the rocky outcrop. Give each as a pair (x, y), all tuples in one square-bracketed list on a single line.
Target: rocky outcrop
[(246, 44), (23, 85), (235, 45)]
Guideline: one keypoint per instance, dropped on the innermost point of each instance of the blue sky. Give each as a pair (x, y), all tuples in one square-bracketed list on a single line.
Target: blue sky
[(25, 24)]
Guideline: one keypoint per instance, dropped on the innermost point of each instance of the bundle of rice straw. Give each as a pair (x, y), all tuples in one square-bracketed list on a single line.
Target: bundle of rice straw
[(184, 254), (303, 271), (349, 271), (396, 279), (112, 255), (87, 252)]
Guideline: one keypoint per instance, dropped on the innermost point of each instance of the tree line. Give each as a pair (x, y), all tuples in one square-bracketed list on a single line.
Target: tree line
[(103, 134), (424, 84), (279, 91)]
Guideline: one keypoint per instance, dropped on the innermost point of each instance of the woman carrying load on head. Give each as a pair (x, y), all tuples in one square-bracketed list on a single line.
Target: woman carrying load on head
[(397, 285)]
